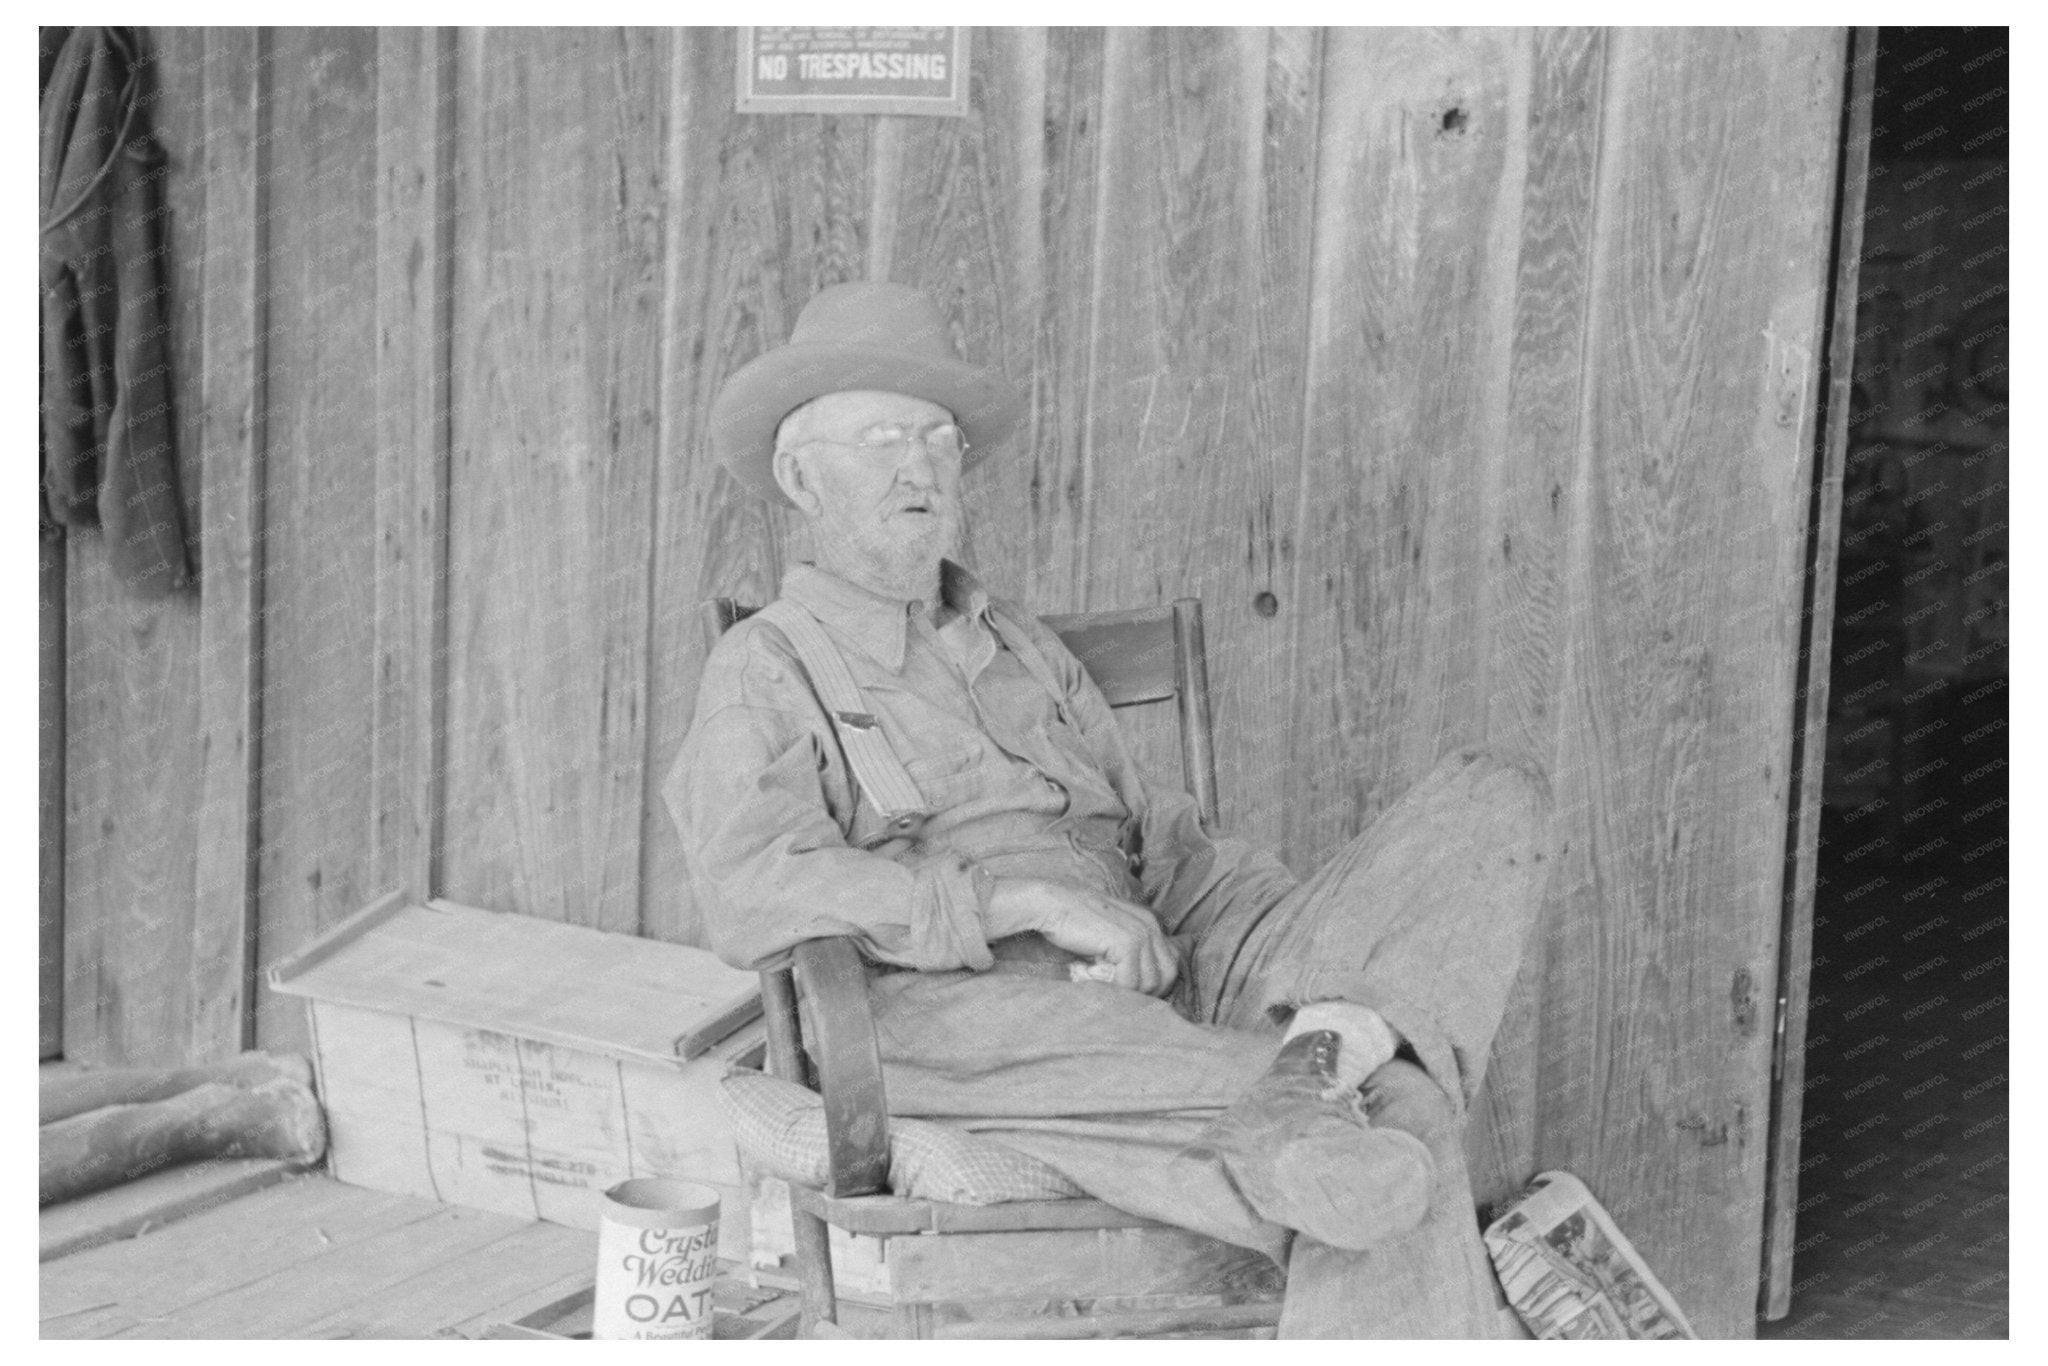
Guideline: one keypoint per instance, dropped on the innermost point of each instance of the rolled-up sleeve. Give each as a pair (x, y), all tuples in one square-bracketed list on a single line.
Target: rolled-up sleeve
[(769, 864)]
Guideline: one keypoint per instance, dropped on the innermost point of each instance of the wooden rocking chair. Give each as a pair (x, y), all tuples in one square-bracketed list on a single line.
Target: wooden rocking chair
[(1037, 1269)]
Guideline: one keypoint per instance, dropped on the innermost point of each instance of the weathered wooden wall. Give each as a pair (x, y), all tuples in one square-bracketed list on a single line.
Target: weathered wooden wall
[(1467, 377)]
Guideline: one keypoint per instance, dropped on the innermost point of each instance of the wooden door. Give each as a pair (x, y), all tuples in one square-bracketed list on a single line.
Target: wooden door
[(1795, 953)]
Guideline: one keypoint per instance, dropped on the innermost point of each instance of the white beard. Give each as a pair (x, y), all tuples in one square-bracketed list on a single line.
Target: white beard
[(889, 561)]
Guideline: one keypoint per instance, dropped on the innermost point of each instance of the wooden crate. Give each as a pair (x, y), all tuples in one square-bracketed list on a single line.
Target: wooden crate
[(521, 1065), (860, 1266)]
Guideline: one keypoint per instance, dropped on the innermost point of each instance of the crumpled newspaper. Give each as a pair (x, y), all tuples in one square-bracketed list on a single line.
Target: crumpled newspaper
[(1570, 1272)]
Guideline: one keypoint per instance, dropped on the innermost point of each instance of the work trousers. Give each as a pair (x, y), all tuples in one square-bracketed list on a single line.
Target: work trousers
[(1423, 916)]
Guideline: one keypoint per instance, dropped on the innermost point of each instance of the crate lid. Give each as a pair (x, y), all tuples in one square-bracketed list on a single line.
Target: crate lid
[(538, 979)]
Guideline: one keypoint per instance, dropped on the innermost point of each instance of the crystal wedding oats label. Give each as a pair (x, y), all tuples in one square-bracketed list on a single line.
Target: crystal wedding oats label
[(657, 1259)]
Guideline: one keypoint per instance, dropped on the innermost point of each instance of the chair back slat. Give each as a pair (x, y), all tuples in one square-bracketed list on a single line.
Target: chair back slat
[(785, 1047), (1130, 655), (1191, 695)]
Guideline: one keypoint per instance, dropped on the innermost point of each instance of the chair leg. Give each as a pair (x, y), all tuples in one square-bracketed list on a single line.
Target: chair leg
[(814, 1269)]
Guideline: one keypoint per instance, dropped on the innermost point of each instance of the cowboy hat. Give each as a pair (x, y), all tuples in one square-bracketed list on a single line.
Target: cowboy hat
[(864, 335)]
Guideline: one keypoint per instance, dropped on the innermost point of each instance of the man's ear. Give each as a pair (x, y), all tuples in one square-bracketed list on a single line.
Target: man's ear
[(789, 476)]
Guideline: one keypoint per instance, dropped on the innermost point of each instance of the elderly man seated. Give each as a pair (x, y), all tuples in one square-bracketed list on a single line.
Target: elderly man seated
[(1063, 960)]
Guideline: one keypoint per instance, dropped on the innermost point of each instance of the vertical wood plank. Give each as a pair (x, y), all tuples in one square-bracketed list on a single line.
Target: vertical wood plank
[(1054, 509), (1718, 153), (50, 794), (555, 390), (763, 212), (1527, 538), (1417, 211), (1795, 950), (132, 682), (320, 459), (955, 211), (415, 275), (231, 391), (707, 531), (1253, 626), (1196, 359)]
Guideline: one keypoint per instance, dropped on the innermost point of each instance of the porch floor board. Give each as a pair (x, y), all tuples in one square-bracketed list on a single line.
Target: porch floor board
[(313, 1258)]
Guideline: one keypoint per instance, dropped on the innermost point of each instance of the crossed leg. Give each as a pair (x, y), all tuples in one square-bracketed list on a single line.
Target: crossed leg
[(1423, 916)]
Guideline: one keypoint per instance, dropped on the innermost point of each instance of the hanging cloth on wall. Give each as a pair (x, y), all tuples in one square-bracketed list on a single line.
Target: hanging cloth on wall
[(107, 454)]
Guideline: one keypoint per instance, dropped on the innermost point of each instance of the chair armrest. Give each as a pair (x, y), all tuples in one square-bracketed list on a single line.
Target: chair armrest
[(833, 983)]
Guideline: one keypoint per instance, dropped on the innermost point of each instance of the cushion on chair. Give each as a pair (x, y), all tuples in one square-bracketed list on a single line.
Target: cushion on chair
[(780, 1127)]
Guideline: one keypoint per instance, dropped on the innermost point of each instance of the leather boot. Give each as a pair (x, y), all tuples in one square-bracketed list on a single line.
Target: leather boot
[(1302, 1151)]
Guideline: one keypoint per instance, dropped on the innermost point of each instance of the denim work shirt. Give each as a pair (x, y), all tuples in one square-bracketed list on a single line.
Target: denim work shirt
[(782, 847)]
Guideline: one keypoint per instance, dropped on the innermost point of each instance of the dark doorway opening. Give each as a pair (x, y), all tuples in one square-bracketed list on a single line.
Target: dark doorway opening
[(1902, 1213)]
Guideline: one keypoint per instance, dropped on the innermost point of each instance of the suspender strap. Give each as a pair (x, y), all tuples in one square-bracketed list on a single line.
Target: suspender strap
[(876, 768)]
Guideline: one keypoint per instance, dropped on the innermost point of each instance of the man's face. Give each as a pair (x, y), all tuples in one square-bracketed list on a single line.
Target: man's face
[(891, 511)]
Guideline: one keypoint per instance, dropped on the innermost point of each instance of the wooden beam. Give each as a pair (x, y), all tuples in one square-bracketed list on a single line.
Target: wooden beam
[(1809, 734), (415, 280), (231, 387)]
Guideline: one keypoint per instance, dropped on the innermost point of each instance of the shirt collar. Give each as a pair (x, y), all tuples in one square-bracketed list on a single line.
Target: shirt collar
[(877, 625)]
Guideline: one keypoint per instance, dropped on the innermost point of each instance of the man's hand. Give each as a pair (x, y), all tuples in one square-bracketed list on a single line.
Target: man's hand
[(1096, 926)]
